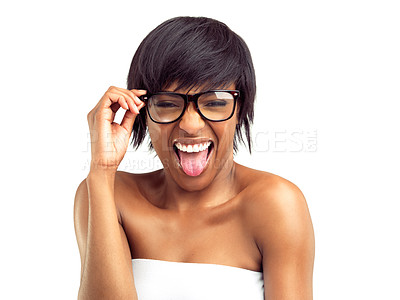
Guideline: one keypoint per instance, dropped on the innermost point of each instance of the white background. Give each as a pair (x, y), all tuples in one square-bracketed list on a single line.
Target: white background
[(328, 77)]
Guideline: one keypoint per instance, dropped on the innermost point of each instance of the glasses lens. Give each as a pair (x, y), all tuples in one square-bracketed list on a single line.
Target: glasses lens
[(216, 106), (165, 107)]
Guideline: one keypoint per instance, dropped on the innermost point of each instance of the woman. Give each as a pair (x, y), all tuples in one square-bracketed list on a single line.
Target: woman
[(203, 227)]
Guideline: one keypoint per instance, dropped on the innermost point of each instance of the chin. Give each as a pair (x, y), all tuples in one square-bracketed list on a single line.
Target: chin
[(186, 182), (194, 183)]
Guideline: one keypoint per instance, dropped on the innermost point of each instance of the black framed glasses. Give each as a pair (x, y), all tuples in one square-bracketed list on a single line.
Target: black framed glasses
[(168, 107)]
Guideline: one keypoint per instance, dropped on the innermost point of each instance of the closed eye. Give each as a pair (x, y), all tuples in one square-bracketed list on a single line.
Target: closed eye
[(166, 104), (215, 103)]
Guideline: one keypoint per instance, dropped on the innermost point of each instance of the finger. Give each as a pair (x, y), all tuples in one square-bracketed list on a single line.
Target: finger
[(135, 104), (131, 100), (138, 101), (131, 95), (128, 120), (127, 93), (135, 108), (132, 106), (110, 97), (139, 92), (109, 105), (115, 97)]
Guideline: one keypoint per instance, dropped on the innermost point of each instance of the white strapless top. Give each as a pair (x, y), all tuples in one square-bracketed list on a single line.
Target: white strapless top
[(166, 280)]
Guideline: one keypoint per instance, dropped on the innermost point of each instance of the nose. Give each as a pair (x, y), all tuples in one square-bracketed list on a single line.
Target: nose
[(191, 121)]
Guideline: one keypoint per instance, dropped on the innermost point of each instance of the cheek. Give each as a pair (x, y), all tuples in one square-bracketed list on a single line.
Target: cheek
[(154, 134), (159, 136), (226, 132)]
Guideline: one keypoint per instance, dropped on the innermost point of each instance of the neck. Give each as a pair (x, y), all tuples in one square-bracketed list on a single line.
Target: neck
[(220, 190)]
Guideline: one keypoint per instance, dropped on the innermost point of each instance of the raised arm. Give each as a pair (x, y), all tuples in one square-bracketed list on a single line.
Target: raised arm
[(106, 269)]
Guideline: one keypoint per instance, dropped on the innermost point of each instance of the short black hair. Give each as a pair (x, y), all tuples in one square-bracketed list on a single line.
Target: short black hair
[(194, 52)]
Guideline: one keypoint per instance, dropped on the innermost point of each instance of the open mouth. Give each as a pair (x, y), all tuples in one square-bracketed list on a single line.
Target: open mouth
[(193, 158)]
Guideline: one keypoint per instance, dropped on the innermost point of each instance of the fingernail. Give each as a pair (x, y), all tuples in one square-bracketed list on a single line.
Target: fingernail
[(138, 100)]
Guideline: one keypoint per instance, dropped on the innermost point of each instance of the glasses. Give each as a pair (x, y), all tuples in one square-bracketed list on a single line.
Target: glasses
[(168, 107)]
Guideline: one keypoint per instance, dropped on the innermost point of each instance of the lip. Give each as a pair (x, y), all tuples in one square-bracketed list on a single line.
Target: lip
[(188, 141)]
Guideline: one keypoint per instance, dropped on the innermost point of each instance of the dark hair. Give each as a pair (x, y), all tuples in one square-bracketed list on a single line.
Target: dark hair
[(194, 52)]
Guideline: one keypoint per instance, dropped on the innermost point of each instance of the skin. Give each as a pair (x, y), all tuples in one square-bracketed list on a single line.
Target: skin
[(229, 215)]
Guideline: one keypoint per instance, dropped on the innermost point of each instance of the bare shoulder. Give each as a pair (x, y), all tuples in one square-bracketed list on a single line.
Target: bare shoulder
[(128, 187), (122, 181), (275, 210), (264, 188)]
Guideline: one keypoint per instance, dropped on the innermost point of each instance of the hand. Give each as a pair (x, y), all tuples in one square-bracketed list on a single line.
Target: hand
[(109, 140)]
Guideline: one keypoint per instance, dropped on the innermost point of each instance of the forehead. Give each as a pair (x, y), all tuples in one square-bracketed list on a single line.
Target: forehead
[(174, 87)]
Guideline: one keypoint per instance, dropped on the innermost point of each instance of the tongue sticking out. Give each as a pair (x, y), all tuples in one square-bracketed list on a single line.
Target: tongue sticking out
[(193, 163)]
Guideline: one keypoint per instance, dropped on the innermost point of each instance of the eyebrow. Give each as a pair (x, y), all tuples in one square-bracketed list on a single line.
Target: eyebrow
[(206, 91)]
